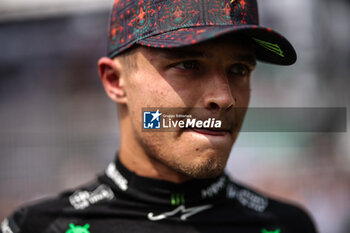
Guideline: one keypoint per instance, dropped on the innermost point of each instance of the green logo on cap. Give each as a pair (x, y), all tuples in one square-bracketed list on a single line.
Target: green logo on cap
[(269, 46), (78, 229)]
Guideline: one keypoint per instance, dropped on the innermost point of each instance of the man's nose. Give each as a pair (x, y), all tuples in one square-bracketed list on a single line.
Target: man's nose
[(218, 94)]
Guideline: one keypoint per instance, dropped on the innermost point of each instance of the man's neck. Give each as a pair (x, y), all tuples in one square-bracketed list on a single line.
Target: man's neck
[(144, 165)]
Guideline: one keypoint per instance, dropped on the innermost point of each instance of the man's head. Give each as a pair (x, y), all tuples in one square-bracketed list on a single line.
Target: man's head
[(210, 72), (169, 24)]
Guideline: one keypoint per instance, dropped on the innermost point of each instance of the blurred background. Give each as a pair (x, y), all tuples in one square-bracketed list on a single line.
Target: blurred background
[(58, 129)]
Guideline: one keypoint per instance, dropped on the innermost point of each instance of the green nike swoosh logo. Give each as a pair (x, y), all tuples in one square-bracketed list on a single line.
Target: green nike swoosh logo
[(270, 46)]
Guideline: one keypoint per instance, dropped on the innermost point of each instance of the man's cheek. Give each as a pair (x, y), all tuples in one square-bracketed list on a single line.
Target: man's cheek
[(161, 142)]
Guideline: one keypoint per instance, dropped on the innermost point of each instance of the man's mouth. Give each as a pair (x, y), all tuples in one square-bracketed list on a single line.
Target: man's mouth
[(211, 132)]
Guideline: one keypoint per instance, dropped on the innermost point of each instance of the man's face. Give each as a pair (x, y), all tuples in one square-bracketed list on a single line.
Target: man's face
[(213, 76)]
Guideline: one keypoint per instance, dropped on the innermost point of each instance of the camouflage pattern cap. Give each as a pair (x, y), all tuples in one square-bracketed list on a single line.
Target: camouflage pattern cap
[(177, 23)]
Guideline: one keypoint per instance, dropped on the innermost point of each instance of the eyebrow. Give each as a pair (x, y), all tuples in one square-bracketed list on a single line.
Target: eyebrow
[(175, 54), (178, 54), (249, 58)]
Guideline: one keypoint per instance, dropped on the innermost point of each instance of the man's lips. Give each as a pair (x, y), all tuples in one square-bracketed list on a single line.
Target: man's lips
[(212, 132)]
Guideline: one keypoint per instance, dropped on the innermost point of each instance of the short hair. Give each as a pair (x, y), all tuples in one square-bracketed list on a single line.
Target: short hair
[(127, 58)]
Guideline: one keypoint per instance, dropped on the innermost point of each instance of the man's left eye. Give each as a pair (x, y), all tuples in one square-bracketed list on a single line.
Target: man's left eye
[(239, 69), (187, 65)]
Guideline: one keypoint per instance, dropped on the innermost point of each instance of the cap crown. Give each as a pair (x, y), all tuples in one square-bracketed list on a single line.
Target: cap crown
[(133, 20)]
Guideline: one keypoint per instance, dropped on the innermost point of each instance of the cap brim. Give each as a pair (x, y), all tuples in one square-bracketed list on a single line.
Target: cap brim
[(270, 46)]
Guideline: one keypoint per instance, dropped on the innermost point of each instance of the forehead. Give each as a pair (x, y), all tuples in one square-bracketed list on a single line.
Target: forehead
[(227, 46)]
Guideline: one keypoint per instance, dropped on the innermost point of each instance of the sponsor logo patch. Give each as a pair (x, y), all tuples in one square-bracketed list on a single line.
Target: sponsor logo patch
[(275, 48), (177, 199), (5, 227), (115, 175), (214, 188), (266, 231), (82, 199), (247, 198), (78, 229), (185, 212)]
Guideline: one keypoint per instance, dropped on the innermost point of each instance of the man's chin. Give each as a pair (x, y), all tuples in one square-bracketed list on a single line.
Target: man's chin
[(210, 168)]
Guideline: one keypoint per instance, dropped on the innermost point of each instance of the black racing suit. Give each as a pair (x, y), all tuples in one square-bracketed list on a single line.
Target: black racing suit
[(121, 201)]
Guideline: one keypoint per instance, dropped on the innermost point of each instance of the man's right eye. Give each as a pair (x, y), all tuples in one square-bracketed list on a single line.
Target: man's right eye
[(187, 65)]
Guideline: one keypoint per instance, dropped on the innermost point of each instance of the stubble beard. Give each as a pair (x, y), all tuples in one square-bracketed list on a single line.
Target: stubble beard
[(203, 167), (210, 168)]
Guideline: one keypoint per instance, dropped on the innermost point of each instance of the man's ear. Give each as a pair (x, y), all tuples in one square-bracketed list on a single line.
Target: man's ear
[(110, 74)]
